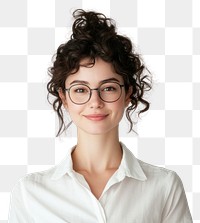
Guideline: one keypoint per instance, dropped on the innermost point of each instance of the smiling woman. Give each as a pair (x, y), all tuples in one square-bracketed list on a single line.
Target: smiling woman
[(94, 36), (96, 76)]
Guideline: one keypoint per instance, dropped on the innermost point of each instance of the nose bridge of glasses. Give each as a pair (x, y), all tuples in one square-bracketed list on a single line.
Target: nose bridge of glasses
[(95, 89)]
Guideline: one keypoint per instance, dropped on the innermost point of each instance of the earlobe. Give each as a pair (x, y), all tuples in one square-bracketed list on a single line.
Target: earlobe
[(62, 97), (127, 102)]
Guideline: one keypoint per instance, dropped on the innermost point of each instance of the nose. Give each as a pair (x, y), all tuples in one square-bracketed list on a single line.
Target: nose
[(95, 100)]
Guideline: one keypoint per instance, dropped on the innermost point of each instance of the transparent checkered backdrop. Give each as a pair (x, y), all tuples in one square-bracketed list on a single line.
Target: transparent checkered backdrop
[(166, 33)]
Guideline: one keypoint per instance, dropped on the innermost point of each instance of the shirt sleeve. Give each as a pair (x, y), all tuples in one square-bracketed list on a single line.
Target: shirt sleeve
[(176, 208), (18, 212)]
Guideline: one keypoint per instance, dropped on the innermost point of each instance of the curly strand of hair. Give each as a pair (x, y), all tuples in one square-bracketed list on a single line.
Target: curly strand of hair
[(89, 25)]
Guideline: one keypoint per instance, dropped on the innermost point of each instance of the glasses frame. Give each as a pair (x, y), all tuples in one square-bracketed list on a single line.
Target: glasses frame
[(95, 89)]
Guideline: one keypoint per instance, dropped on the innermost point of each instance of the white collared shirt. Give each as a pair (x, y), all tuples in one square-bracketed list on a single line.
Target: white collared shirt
[(136, 193)]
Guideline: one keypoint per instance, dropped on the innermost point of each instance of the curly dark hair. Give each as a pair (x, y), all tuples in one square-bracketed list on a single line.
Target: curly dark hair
[(94, 36)]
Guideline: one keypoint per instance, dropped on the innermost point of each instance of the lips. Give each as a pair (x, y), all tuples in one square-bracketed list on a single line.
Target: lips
[(96, 117)]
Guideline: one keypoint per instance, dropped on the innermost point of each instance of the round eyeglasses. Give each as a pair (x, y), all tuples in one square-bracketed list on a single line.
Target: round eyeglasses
[(108, 92)]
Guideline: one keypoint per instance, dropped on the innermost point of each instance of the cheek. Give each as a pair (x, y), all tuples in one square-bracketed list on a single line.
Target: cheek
[(74, 110), (118, 107), (120, 104)]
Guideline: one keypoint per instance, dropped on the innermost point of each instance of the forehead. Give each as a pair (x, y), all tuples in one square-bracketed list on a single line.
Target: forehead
[(93, 74)]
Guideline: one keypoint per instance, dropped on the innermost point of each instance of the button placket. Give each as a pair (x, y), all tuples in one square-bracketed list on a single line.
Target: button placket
[(97, 205)]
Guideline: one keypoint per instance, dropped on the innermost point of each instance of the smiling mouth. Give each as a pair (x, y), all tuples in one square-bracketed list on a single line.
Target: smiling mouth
[(96, 117)]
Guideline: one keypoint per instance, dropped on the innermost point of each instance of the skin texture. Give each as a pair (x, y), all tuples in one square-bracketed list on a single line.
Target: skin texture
[(98, 153)]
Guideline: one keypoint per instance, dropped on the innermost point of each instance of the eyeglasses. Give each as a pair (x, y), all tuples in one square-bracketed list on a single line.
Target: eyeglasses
[(108, 92)]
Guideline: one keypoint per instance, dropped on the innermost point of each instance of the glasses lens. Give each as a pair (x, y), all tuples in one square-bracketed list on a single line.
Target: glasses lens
[(79, 93), (110, 92)]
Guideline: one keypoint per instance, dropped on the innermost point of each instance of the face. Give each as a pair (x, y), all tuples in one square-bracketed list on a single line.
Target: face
[(95, 116)]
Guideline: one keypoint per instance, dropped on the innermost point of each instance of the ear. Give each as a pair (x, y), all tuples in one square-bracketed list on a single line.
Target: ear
[(62, 97), (127, 98)]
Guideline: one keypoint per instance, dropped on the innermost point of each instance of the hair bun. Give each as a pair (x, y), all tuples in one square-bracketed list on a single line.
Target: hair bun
[(91, 25)]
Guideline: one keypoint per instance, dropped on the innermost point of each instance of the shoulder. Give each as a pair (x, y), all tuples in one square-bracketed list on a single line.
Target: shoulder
[(32, 180), (166, 183), (150, 169), (161, 175), (146, 172)]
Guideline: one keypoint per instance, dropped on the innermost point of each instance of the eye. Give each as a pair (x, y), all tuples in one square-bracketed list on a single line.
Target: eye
[(79, 89), (110, 88)]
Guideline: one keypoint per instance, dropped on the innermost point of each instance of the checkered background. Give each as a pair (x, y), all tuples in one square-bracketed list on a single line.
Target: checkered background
[(166, 33)]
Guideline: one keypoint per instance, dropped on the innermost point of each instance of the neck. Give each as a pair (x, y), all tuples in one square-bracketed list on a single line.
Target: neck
[(97, 153)]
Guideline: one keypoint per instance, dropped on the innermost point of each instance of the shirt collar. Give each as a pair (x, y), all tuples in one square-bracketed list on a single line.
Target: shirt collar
[(129, 166), (65, 167)]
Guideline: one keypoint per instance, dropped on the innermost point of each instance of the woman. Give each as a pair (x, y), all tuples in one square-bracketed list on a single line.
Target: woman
[(96, 77)]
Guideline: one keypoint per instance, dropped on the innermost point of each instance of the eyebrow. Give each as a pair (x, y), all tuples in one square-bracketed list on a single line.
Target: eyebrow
[(101, 82)]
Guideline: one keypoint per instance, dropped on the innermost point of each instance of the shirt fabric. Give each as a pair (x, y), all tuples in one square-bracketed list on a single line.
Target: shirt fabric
[(136, 193)]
